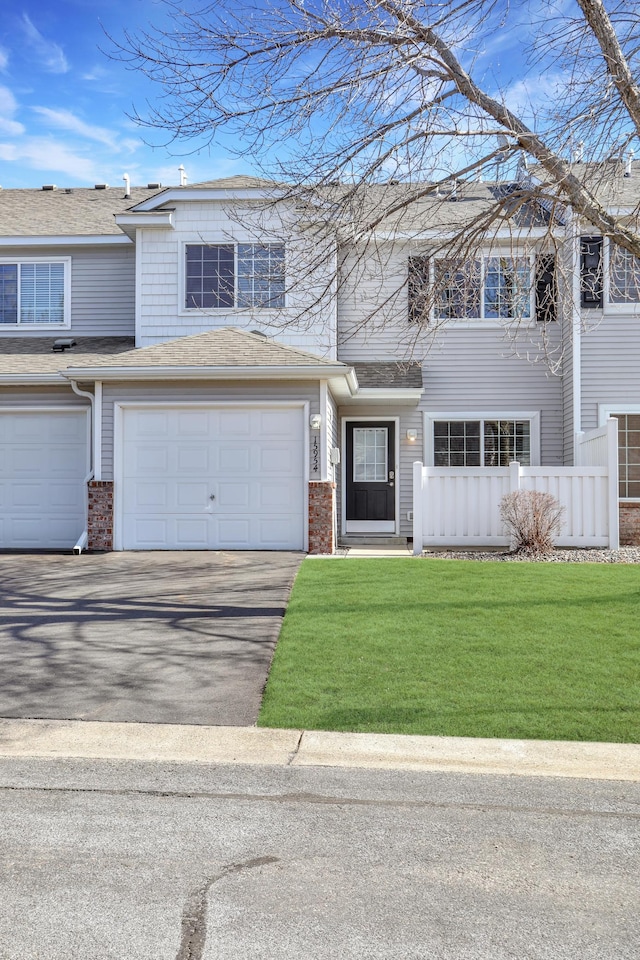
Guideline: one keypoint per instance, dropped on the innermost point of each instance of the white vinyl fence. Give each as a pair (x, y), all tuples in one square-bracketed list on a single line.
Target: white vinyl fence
[(460, 506)]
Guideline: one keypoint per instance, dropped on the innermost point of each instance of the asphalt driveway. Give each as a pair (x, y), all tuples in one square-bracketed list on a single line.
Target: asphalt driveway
[(148, 637)]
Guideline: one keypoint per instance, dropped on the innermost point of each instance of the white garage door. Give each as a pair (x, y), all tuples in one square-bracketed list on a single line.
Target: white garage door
[(44, 459), (211, 478)]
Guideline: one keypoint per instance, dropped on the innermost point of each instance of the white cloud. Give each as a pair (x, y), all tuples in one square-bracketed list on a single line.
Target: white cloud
[(50, 54), (66, 120), (8, 107), (41, 153), (526, 97)]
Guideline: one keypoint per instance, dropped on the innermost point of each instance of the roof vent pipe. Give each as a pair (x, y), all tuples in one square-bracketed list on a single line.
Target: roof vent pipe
[(627, 166), (127, 186), (183, 176)]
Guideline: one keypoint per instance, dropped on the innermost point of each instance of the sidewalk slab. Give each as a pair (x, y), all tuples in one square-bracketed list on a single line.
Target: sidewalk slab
[(174, 743), (534, 758), (156, 742)]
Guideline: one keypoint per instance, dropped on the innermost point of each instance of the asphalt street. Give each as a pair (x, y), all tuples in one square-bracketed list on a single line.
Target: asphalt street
[(153, 861)]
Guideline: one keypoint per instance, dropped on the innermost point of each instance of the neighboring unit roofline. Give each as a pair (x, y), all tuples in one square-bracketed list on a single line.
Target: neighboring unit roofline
[(174, 194), (504, 233)]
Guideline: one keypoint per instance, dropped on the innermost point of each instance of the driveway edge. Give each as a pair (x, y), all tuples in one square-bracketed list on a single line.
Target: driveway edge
[(173, 743)]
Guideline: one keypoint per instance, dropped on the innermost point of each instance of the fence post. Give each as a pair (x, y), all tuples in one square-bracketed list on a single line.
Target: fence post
[(577, 453), (515, 473), (514, 476), (418, 500), (612, 480)]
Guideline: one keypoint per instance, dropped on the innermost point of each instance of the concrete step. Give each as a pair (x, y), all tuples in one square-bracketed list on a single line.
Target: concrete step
[(363, 540)]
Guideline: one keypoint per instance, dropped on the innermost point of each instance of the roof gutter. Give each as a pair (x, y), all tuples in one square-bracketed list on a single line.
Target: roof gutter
[(402, 396), (93, 240), (212, 373), (32, 379)]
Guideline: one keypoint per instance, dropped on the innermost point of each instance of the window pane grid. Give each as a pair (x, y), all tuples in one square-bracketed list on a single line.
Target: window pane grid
[(210, 276), (628, 455), (507, 288), (457, 289), (492, 288), (216, 278), (474, 443), (624, 276), (370, 454)]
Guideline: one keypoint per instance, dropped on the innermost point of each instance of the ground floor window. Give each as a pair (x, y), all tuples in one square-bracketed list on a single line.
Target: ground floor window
[(481, 443), (628, 455)]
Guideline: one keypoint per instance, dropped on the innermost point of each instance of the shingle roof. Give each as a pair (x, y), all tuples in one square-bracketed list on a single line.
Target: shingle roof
[(606, 180), (89, 212), (399, 375), (75, 212), (226, 347), (34, 355), (237, 182)]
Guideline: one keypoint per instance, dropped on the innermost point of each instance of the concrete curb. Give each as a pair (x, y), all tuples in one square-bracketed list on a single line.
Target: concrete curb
[(172, 743)]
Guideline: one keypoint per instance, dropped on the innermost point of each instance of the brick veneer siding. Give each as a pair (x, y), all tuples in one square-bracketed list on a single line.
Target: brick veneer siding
[(629, 524), (100, 522), (322, 509)]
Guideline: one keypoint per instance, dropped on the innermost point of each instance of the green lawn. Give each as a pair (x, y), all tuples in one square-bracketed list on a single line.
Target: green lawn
[(460, 648)]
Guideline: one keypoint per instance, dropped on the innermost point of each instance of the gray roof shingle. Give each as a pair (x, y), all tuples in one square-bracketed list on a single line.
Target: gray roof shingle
[(400, 375), (80, 211), (226, 347), (34, 355)]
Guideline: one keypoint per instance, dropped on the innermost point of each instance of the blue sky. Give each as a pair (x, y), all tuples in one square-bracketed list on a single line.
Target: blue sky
[(64, 104)]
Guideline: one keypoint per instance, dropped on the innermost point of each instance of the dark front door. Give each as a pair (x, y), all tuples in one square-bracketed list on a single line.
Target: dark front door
[(370, 477)]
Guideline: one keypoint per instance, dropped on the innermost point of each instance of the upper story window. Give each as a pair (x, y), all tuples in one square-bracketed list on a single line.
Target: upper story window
[(609, 275), (624, 276), (486, 288), (34, 292), (226, 275)]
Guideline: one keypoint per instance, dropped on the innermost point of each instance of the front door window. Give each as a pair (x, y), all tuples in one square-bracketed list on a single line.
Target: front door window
[(370, 460)]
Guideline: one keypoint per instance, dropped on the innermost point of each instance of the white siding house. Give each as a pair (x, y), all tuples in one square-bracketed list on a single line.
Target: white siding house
[(253, 375)]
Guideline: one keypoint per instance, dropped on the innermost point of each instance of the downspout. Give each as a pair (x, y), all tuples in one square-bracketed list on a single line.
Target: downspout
[(576, 334), (324, 433), (84, 536)]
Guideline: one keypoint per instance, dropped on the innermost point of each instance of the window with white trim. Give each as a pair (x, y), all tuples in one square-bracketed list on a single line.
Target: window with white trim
[(624, 276), (481, 443), (33, 292), (491, 287), (227, 275), (628, 455), (609, 275)]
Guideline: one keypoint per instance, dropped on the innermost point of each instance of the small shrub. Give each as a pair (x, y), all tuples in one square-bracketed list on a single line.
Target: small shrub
[(533, 519)]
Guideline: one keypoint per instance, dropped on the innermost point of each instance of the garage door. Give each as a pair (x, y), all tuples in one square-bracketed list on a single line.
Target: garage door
[(44, 459), (211, 478)]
